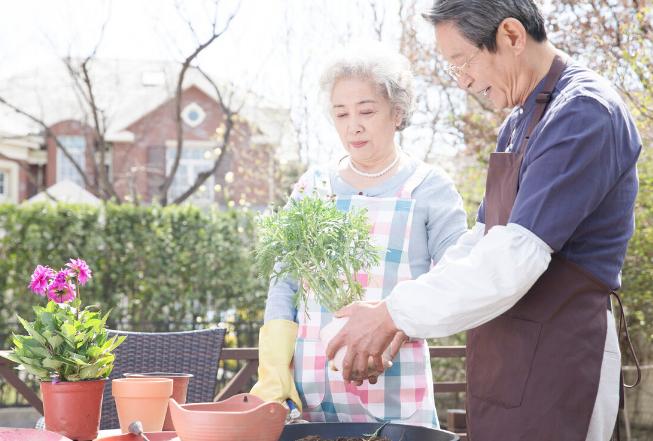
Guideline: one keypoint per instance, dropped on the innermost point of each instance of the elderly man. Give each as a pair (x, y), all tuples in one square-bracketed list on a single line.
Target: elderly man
[(532, 280)]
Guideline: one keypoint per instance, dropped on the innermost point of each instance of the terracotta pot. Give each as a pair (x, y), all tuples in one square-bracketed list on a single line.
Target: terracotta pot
[(243, 417), (142, 399), (179, 389), (73, 408), (152, 436), (7, 434)]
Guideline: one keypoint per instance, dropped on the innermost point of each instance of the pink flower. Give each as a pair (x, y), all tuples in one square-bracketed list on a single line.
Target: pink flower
[(80, 269), (61, 290), (41, 277)]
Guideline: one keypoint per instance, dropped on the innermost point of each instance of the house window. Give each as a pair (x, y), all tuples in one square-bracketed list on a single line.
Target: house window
[(193, 115), (66, 171), (193, 161)]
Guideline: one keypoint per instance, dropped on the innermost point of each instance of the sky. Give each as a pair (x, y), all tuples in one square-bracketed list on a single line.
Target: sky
[(274, 47)]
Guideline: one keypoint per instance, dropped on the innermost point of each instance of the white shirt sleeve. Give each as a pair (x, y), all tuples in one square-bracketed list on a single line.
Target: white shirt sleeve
[(477, 279)]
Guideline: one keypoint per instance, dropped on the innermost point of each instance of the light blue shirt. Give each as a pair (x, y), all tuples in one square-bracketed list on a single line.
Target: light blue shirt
[(438, 221)]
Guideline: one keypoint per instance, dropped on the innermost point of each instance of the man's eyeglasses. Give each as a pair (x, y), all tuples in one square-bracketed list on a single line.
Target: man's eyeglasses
[(458, 71)]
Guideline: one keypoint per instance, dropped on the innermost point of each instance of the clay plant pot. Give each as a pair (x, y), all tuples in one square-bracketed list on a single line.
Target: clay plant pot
[(243, 417), (73, 408), (151, 436), (179, 389), (7, 434), (143, 399)]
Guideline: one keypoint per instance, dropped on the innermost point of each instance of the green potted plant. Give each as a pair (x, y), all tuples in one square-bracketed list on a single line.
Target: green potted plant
[(323, 249), (68, 349)]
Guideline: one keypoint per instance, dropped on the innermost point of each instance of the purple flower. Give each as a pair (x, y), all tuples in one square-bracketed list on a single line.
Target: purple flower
[(41, 277), (80, 269), (61, 290)]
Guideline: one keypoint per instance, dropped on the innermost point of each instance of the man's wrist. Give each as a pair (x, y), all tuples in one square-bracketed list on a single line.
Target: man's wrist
[(388, 322)]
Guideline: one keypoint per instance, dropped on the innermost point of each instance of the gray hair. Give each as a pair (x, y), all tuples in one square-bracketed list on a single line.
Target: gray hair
[(479, 20), (388, 70)]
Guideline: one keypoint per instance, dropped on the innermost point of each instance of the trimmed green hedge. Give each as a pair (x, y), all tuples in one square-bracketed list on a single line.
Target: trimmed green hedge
[(158, 268)]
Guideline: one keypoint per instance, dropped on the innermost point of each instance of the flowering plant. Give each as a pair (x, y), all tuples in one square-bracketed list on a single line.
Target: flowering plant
[(64, 341)]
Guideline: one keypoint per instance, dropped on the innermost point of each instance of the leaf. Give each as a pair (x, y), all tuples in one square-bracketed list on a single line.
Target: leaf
[(106, 360), (94, 324), (89, 372), (41, 373), (47, 318), (94, 352), (55, 341), (35, 348), (113, 343), (12, 356), (68, 331), (52, 364), (30, 330), (79, 359)]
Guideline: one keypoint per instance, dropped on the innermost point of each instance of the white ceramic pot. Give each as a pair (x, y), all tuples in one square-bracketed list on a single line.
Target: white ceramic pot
[(328, 332)]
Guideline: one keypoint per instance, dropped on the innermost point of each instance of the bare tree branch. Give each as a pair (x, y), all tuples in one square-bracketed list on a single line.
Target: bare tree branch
[(165, 186), (100, 135), (226, 136), (378, 21)]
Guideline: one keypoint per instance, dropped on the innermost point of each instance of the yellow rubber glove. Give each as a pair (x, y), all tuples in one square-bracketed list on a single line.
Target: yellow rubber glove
[(276, 347)]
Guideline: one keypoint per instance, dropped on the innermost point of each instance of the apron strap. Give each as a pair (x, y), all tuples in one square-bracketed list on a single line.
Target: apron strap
[(623, 330), (418, 176), (543, 99)]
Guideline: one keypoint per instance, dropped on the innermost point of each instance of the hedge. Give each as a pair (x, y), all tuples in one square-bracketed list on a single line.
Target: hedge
[(157, 268)]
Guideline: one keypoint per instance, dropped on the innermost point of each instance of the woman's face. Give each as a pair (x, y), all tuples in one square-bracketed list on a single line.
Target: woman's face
[(364, 119)]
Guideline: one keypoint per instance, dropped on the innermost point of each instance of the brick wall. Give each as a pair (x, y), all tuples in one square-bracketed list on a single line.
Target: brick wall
[(138, 167)]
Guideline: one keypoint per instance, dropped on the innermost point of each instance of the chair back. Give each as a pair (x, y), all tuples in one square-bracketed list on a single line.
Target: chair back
[(195, 352)]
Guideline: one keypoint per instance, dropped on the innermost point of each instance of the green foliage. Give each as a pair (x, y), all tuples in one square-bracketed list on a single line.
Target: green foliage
[(157, 268), (67, 341), (320, 247), (637, 290)]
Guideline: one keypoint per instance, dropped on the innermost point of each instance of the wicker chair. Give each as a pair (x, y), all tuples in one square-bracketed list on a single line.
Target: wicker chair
[(195, 352)]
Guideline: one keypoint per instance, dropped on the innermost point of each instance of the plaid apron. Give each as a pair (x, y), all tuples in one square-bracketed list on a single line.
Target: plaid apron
[(404, 393)]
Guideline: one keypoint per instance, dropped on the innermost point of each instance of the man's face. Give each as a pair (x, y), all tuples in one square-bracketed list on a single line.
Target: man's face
[(492, 76)]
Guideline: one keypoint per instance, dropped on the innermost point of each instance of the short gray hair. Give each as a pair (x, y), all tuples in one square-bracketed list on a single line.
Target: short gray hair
[(387, 69), (479, 20)]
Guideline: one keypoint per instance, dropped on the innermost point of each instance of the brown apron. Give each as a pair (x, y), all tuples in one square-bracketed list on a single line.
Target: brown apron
[(533, 372)]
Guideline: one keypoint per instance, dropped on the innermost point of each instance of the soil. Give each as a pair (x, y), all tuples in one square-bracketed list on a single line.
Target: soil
[(318, 438)]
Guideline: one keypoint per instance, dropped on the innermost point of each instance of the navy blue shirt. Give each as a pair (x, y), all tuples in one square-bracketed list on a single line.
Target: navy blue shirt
[(578, 180)]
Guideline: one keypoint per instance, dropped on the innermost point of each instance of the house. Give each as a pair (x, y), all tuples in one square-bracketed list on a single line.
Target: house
[(138, 117)]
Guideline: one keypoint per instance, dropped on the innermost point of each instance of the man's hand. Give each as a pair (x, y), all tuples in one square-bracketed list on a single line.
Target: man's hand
[(399, 339), (368, 333)]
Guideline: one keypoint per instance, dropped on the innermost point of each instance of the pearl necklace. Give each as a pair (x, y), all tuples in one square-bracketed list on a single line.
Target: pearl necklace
[(373, 175)]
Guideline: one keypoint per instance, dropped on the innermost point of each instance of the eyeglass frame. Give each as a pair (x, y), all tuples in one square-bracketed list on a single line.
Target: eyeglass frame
[(456, 71)]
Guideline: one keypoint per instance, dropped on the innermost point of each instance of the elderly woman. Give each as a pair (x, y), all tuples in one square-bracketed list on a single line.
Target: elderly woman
[(416, 214)]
